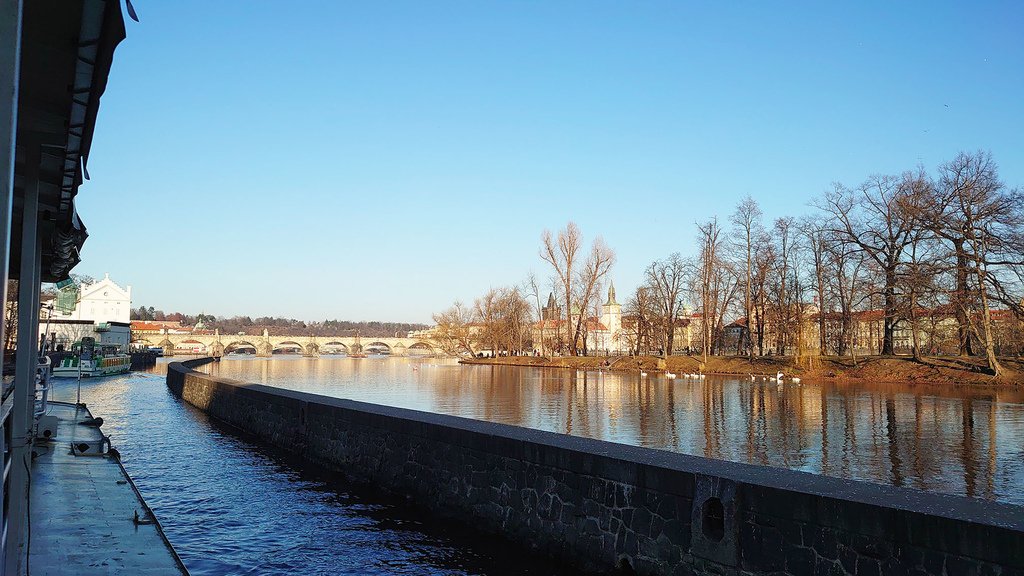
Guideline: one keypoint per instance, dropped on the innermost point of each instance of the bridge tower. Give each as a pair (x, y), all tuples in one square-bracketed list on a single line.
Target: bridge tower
[(264, 349)]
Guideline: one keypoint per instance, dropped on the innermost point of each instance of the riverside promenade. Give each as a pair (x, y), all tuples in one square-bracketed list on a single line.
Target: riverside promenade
[(87, 517)]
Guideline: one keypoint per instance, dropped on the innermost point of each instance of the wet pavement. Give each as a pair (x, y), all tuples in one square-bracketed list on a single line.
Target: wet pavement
[(83, 508)]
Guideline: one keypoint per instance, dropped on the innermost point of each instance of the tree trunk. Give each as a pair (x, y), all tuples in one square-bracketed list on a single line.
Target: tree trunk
[(889, 322), (990, 349), (750, 354), (570, 338), (822, 343), (963, 323), (669, 338), (913, 327)]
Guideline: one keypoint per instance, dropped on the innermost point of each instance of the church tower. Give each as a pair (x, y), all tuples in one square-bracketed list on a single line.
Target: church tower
[(611, 316), (552, 310)]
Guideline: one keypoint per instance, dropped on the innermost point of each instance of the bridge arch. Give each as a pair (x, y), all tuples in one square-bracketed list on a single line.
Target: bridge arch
[(191, 345), (378, 347), (421, 349), (236, 345), (328, 347), (288, 345)]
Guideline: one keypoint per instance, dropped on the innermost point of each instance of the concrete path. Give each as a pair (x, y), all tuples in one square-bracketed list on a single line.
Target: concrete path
[(82, 509)]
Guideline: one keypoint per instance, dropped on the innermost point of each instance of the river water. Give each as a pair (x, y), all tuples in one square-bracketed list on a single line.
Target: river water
[(230, 506), (959, 440), (233, 506)]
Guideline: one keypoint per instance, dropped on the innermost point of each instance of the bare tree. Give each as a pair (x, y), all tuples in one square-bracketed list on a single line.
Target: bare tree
[(872, 218), (10, 316), (454, 332), (665, 280), (595, 269), (815, 239), (708, 234), (578, 281), (503, 315), (516, 317), (640, 313), (983, 221), (716, 285), (783, 277), (917, 275), (747, 219), (561, 254), (532, 289), (764, 263)]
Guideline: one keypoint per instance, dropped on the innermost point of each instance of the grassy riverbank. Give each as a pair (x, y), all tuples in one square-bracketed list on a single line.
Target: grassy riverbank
[(937, 370)]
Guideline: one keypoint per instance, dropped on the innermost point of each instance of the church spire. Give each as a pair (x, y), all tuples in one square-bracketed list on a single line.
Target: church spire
[(611, 295)]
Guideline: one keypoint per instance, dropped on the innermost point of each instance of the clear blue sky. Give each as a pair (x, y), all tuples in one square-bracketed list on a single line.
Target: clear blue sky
[(378, 160)]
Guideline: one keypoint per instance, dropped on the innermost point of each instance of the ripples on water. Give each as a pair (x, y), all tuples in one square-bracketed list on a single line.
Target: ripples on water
[(231, 507), (959, 440)]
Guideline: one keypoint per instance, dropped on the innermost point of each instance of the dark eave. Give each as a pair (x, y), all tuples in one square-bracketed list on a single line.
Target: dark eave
[(66, 52)]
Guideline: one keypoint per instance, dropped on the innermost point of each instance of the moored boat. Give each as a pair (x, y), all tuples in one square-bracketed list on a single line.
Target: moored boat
[(90, 359)]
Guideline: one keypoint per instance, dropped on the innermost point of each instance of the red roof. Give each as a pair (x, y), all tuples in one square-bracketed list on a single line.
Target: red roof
[(143, 325), (593, 324)]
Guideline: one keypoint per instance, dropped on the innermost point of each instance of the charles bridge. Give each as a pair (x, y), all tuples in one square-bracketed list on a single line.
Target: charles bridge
[(217, 344)]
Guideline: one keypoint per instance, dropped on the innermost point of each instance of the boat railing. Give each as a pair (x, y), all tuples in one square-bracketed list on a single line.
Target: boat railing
[(43, 385), (8, 458)]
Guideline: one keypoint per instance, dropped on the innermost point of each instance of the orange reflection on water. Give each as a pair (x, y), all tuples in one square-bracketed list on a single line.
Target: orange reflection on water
[(960, 440)]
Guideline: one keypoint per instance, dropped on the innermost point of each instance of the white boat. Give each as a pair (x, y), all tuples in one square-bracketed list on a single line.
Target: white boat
[(90, 359)]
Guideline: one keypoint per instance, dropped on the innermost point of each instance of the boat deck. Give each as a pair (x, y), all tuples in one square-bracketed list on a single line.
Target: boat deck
[(82, 509)]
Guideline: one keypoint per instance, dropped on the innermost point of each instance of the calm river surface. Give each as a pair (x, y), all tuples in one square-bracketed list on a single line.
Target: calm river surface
[(231, 507), (964, 441)]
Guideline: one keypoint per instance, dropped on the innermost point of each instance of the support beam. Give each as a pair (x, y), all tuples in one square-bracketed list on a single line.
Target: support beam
[(10, 65), (10, 73), (26, 361)]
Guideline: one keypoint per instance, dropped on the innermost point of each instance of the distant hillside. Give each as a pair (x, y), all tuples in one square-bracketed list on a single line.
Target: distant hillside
[(281, 326)]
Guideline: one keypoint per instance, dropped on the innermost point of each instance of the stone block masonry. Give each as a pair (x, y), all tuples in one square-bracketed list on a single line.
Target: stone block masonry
[(602, 507)]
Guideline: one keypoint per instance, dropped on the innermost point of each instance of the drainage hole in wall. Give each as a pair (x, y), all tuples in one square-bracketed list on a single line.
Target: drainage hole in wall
[(713, 519)]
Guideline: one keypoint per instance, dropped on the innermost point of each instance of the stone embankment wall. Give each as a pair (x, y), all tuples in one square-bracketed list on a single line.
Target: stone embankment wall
[(600, 506)]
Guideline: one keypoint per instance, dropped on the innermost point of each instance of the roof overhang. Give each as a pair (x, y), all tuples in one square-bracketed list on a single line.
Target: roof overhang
[(66, 52)]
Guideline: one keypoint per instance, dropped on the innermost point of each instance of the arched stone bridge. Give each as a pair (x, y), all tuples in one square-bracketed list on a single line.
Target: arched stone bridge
[(265, 345)]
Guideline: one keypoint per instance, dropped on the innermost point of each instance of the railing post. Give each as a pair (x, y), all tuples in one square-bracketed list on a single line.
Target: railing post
[(10, 64), (27, 358)]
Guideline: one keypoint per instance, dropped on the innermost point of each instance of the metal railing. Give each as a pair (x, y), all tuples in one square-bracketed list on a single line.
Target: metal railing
[(43, 385), (5, 443)]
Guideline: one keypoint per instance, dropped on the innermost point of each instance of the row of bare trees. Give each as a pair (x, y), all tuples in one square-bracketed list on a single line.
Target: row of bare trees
[(952, 241), (503, 320), (498, 321), (918, 251), (913, 254)]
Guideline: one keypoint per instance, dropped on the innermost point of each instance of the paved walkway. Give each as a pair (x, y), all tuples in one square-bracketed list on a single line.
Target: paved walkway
[(82, 509)]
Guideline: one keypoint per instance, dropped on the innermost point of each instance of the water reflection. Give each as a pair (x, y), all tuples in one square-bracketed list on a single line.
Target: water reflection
[(961, 440)]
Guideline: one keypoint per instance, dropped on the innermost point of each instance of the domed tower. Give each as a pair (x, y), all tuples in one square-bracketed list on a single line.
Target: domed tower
[(611, 317)]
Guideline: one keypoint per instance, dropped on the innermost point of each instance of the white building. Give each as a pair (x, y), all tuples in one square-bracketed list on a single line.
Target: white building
[(61, 333), (604, 334), (103, 311), (611, 317), (103, 301)]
